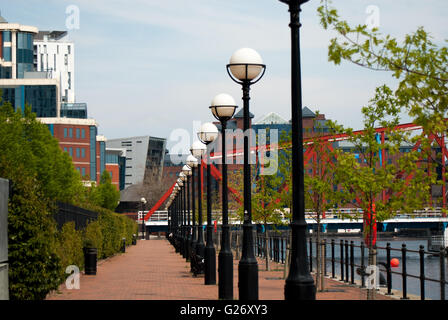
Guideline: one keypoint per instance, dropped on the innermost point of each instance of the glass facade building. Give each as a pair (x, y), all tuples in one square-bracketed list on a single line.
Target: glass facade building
[(74, 110), (25, 53), (41, 98)]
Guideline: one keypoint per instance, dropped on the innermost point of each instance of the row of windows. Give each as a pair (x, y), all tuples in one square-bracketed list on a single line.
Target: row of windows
[(57, 49), (82, 171), (79, 133), (25, 40), (80, 152)]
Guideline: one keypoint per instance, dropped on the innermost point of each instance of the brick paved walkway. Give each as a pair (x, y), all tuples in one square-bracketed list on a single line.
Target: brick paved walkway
[(152, 270)]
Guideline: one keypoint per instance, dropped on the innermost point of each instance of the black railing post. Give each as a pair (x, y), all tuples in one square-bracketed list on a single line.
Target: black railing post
[(352, 262), (346, 261), (311, 253), (403, 270), (342, 259), (442, 273), (389, 271), (325, 256), (421, 252), (363, 278), (332, 259), (282, 247)]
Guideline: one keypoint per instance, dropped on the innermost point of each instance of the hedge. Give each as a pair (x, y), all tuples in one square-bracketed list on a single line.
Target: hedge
[(105, 234)]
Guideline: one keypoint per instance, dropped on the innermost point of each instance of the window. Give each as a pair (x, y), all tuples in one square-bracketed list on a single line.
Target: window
[(77, 153), (7, 53), (83, 153), (110, 172), (83, 133), (65, 132), (70, 132), (68, 49), (83, 171), (69, 80), (57, 49), (65, 149), (70, 151), (6, 36), (66, 59), (77, 133)]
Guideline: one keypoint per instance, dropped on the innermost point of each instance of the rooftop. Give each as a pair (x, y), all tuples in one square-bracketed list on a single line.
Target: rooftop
[(50, 35), (271, 118)]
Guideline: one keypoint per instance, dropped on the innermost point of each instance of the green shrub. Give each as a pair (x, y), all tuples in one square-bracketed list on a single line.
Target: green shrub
[(70, 245), (34, 266), (93, 237)]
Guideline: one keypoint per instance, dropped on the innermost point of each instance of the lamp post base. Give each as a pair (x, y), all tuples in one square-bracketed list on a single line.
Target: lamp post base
[(225, 275), (192, 252), (300, 289), (248, 280), (209, 265)]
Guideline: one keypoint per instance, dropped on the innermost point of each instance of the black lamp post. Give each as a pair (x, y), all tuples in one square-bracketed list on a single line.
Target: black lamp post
[(142, 206), (183, 177), (246, 68), (176, 217), (207, 134), (192, 162), (223, 108), (300, 284), (187, 171), (198, 150), (181, 215)]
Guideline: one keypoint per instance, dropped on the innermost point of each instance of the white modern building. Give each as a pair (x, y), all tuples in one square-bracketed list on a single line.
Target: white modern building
[(54, 53), (19, 82)]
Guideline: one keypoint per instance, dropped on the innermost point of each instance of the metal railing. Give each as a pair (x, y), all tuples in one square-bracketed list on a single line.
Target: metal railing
[(67, 213), (346, 261), (342, 253)]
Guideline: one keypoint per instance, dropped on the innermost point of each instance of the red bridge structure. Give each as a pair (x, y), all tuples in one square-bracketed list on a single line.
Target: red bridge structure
[(326, 144)]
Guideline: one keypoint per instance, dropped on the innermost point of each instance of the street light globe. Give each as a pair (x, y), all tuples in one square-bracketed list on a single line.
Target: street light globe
[(198, 149), (192, 162), (245, 64), (208, 133), (183, 176), (186, 170), (223, 107), (142, 200)]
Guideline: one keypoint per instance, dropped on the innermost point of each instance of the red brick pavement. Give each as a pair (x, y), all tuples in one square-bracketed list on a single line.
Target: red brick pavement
[(152, 270)]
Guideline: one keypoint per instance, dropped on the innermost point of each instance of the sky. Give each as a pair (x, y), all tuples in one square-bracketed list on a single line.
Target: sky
[(152, 67)]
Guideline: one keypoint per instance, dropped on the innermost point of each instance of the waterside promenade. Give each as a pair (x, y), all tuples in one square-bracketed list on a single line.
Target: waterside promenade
[(152, 270)]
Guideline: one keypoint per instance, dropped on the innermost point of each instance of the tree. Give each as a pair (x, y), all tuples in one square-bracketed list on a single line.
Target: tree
[(107, 194), (367, 182), (320, 193), (154, 186), (40, 174), (266, 206), (418, 64)]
